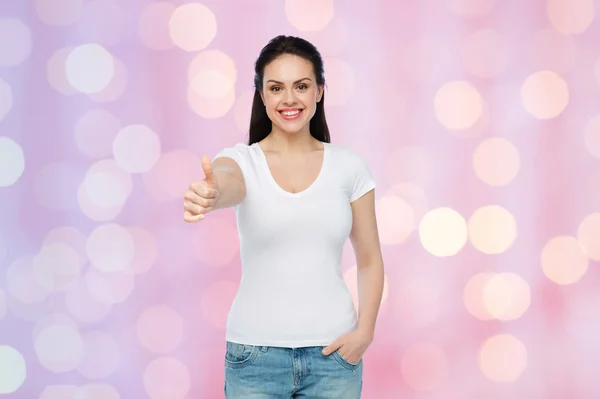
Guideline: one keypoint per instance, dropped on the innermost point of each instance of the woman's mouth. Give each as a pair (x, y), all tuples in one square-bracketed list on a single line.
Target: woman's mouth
[(291, 114)]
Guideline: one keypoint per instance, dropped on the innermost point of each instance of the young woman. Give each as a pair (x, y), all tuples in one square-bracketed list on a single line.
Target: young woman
[(292, 331)]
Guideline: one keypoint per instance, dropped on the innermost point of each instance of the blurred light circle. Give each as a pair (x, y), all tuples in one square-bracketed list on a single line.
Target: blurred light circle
[(396, 220), (15, 42), (473, 295), (496, 161), (506, 296), (116, 87), (57, 266), (333, 39), (570, 16), (12, 162), (192, 26), (212, 84), (13, 369), (92, 210), (309, 15), (6, 99), (107, 185), (83, 306), (95, 132), (458, 105), (59, 348), (22, 283), (145, 250), (136, 148), (413, 195), (503, 358), (212, 60), (160, 329), (424, 367), (552, 50), (485, 53), (591, 136), (59, 392), (70, 236), (89, 68), (97, 391), (50, 319), (110, 248), (58, 12), (110, 287), (443, 232), (216, 301), (564, 260), (217, 242), (545, 94), (167, 378), (492, 229), (588, 234), (153, 25), (101, 355), (56, 72), (340, 81), (210, 108), (55, 186)]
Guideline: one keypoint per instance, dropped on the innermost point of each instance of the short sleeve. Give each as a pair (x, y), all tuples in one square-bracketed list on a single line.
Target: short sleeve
[(362, 181), (236, 153)]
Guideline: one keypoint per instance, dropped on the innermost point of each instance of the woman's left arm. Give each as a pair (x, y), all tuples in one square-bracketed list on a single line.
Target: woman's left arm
[(369, 262)]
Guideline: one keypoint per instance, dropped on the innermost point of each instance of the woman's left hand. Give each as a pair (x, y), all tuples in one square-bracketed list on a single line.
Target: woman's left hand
[(351, 346)]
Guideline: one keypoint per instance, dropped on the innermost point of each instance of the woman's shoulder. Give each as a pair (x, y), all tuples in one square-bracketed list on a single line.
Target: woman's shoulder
[(344, 153)]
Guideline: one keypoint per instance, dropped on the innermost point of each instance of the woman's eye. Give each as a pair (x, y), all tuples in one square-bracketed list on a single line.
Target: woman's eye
[(274, 88), (302, 87)]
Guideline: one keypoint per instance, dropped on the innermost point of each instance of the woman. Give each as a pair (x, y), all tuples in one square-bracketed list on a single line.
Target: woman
[(292, 331)]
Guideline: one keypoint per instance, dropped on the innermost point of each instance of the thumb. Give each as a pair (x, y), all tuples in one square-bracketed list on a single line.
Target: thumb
[(335, 345), (208, 170)]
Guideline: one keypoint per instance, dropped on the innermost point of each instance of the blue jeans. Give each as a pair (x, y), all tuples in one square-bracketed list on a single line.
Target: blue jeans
[(265, 372)]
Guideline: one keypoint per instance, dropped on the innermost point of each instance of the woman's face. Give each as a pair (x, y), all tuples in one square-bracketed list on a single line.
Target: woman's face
[(290, 93)]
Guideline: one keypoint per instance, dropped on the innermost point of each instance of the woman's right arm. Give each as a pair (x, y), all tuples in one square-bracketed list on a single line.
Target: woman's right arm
[(231, 189), (223, 187)]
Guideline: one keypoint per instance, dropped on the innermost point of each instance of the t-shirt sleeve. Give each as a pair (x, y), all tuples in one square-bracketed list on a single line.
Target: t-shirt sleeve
[(362, 181), (236, 153)]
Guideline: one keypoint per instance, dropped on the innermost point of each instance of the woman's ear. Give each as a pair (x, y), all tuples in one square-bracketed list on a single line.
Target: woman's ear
[(320, 93), (262, 97)]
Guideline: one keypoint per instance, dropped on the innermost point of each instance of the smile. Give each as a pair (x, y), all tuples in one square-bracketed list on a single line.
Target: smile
[(291, 114)]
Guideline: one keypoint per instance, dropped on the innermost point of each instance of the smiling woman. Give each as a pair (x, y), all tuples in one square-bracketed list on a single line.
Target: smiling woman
[(292, 331)]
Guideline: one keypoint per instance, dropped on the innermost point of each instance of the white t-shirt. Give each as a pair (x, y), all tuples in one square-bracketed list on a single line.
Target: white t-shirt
[(292, 292)]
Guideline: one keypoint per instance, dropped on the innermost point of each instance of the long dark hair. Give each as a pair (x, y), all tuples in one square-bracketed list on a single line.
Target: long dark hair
[(260, 124)]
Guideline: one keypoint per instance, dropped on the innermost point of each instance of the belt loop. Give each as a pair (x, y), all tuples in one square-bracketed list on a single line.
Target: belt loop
[(264, 349)]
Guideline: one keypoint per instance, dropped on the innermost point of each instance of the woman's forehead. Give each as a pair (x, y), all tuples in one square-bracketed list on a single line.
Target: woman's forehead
[(288, 67)]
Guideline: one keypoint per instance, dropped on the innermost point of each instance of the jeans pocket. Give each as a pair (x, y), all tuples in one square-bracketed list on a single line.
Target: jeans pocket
[(346, 363), (240, 355)]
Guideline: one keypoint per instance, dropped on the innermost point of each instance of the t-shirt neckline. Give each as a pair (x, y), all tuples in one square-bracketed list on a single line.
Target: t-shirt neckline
[(267, 170)]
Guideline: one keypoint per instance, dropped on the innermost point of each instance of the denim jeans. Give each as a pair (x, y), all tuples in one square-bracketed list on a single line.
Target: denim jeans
[(265, 372)]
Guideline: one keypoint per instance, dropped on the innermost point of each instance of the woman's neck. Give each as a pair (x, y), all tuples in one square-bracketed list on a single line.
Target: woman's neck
[(278, 141)]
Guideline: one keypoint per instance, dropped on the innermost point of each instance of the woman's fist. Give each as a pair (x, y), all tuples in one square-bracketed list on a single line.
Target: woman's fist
[(201, 196)]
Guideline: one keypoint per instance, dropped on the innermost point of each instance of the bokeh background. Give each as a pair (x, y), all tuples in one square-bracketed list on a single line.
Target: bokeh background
[(480, 120)]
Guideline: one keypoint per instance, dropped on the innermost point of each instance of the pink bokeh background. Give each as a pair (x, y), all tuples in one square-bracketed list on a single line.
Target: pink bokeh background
[(480, 120)]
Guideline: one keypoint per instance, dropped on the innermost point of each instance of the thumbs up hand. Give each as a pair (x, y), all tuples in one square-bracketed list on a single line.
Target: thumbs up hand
[(201, 196)]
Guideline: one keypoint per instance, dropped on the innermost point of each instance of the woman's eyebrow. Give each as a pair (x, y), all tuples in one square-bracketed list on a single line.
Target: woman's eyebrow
[(298, 81)]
